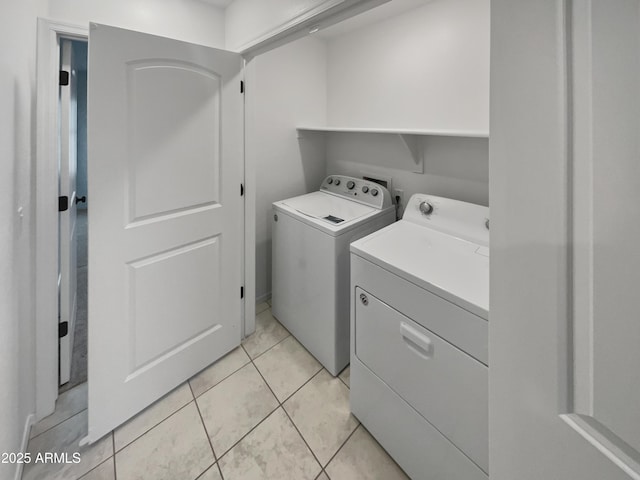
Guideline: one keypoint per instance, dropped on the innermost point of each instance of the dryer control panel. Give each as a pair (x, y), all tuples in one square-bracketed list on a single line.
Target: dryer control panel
[(358, 190), (455, 217)]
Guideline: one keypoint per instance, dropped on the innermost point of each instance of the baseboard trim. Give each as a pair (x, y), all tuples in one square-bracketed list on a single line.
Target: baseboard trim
[(25, 442), (263, 298)]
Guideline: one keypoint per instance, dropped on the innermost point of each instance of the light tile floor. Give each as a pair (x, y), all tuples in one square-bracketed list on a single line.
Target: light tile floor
[(267, 410)]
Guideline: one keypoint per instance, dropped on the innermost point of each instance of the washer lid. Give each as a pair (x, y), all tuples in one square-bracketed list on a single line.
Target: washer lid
[(328, 208), (452, 268)]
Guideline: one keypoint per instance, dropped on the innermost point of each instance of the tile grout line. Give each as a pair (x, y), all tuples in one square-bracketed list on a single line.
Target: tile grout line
[(57, 424), (281, 405), (206, 432), (113, 441), (239, 368), (341, 447), (220, 470), (294, 392), (101, 463), (252, 429), (257, 424), (303, 439), (154, 426), (220, 381), (268, 349), (214, 464)]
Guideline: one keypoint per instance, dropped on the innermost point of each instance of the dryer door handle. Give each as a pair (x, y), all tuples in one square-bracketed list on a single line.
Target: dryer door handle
[(417, 342)]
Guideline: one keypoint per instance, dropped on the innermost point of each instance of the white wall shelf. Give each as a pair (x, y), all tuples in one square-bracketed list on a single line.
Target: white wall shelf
[(410, 137), (400, 131)]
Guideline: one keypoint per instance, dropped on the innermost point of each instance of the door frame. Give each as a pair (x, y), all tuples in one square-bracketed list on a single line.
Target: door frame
[(46, 193)]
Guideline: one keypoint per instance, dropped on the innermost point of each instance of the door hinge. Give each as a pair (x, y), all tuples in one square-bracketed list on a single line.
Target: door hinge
[(241, 190), (63, 203), (241, 292), (63, 329), (64, 78), (241, 86)]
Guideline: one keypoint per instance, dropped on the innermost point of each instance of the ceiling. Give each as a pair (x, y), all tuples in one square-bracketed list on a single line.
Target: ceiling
[(384, 11), (378, 14), (218, 3)]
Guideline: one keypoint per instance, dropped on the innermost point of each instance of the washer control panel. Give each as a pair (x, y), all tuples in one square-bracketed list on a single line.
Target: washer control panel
[(358, 190)]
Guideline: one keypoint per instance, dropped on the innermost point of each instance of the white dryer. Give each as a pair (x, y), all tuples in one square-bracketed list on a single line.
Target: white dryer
[(310, 257), (419, 335)]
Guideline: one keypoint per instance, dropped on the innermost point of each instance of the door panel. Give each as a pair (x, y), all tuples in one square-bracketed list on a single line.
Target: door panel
[(563, 378), (606, 223), (166, 163), (68, 237), (193, 292), (184, 127)]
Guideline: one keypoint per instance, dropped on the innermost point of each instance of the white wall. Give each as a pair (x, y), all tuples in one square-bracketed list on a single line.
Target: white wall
[(453, 167), (288, 88), (17, 102), (427, 68), (189, 20)]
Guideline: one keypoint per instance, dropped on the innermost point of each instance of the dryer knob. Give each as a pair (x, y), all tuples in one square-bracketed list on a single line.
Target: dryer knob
[(365, 189), (374, 192), (330, 180), (426, 208), (336, 182), (351, 184)]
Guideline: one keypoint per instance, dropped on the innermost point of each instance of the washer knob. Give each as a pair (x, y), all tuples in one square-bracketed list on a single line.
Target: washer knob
[(351, 184), (330, 180), (365, 189), (374, 192), (336, 182), (426, 208)]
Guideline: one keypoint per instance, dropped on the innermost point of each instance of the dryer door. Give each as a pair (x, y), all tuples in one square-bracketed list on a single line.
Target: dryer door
[(445, 385)]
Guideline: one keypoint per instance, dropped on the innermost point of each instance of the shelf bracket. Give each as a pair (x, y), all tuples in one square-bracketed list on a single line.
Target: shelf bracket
[(414, 144)]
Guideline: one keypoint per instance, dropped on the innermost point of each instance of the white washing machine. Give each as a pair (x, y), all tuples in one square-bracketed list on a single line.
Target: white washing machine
[(419, 335), (310, 261)]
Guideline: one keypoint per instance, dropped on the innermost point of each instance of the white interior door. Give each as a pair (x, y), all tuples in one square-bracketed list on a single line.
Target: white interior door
[(67, 219), (565, 268), (165, 237)]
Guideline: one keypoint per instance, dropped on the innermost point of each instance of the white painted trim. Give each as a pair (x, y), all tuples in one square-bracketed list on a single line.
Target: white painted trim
[(324, 14), (46, 191), (26, 433), (307, 14), (399, 131), (603, 444), (249, 205)]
